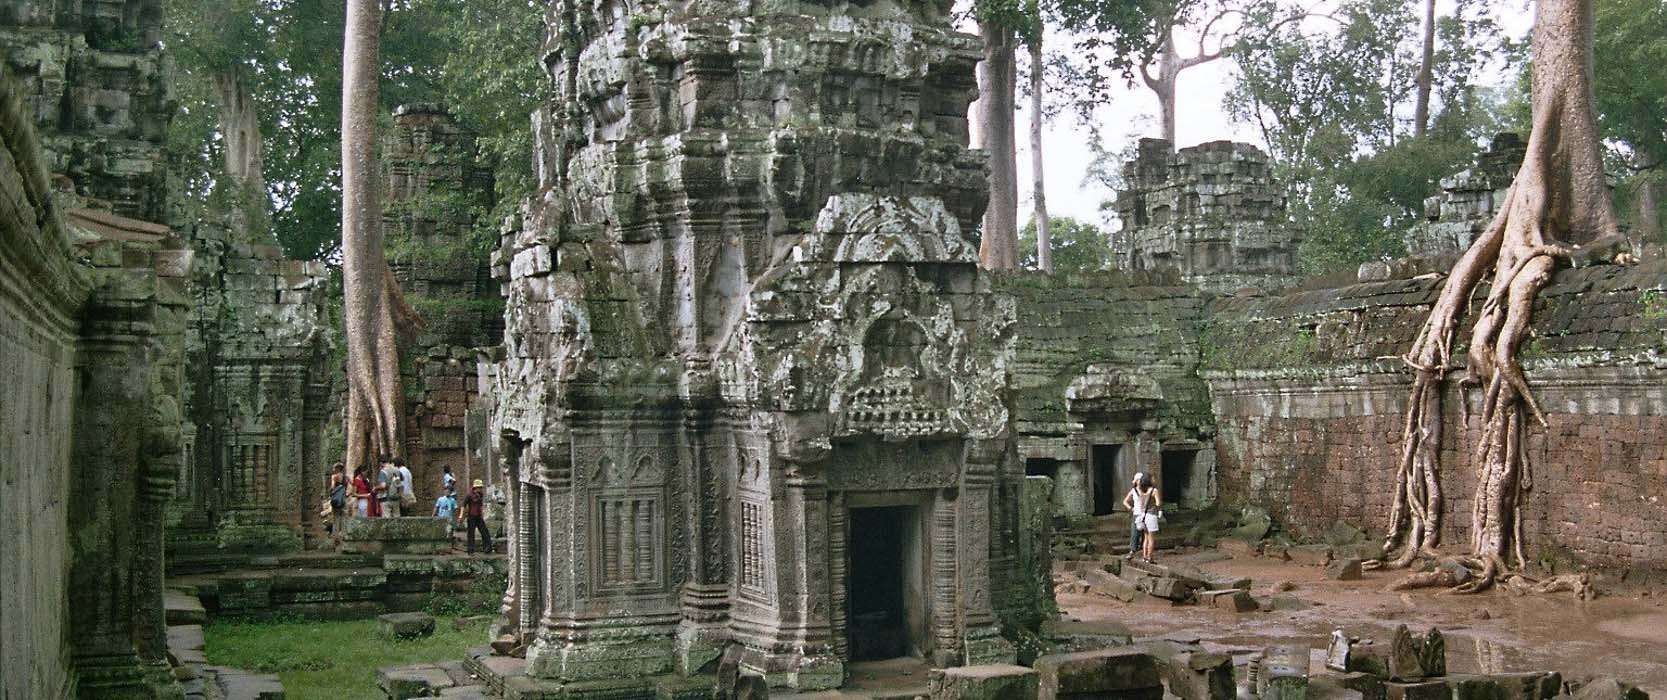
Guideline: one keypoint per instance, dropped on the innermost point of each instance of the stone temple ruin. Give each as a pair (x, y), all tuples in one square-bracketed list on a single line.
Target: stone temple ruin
[(749, 402), (745, 327), (1213, 212)]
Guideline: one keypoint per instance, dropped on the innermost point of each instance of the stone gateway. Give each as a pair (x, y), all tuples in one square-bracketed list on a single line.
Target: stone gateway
[(754, 388)]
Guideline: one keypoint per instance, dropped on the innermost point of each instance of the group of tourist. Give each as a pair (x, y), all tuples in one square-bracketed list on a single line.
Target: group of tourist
[(389, 495)]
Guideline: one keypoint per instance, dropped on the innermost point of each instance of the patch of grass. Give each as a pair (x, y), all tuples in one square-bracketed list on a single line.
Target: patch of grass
[(332, 660)]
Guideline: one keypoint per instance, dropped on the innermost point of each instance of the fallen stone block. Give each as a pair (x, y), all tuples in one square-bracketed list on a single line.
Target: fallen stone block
[(983, 682), (1232, 600), (1282, 673), (1129, 674), (404, 625), (469, 692), (1415, 690), (1111, 586), (1276, 550), (1196, 675), (421, 681), (1344, 570), (1076, 635), (1217, 584), (1606, 689), (1309, 554), (1172, 589), (1505, 686)]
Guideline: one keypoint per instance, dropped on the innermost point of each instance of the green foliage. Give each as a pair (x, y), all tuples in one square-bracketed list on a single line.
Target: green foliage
[(330, 660), (1630, 49), (1078, 246), (1333, 103), (1654, 303), (477, 57), (484, 596)]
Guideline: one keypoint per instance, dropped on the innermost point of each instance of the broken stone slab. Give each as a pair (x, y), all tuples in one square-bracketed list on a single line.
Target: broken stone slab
[(467, 692), (1309, 554), (1415, 690), (1172, 589), (1232, 600), (1111, 586), (1127, 673), (1344, 570), (1077, 635), (180, 608), (1197, 675), (419, 681), (1606, 689), (1281, 673), (237, 684), (1221, 583), (983, 682), (404, 625), (1505, 686), (1190, 575)]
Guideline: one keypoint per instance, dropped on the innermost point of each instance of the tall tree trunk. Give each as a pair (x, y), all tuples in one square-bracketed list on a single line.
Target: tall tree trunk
[(1647, 207), (375, 311), (999, 247), (1169, 73), (1558, 195), (1426, 73), (240, 130), (1044, 238)]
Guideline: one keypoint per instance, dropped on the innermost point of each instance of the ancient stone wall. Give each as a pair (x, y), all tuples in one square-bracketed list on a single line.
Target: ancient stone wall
[(1213, 212), (1106, 383), (41, 293), (1309, 401), (92, 324), (258, 395), (436, 187)]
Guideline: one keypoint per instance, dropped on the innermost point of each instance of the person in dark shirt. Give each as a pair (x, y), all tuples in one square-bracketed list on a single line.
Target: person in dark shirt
[(474, 512)]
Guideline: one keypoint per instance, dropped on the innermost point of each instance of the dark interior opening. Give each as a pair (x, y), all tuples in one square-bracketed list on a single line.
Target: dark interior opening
[(1041, 466), (1178, 475), (885, 593), (1105, 478)]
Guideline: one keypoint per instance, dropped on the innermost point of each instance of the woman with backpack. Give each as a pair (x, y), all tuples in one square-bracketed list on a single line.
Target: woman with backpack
[(338, 496)]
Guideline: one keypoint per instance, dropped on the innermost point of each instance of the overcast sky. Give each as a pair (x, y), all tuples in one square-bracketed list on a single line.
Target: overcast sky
[(1133, 114)]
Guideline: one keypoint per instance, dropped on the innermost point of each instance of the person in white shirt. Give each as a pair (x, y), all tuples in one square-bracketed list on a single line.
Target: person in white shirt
[(407, 497), (1143, 501)]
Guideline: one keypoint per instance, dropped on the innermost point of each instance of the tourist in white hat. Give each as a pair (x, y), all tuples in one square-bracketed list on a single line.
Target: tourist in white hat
[(474, 513), (1142, 502)]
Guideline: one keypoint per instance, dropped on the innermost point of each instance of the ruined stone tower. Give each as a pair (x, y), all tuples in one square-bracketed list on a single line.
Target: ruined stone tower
[(745, 322), (1212, 212)]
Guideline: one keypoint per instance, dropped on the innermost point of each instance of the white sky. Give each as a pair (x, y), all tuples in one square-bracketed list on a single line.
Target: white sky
[(1132, 114)]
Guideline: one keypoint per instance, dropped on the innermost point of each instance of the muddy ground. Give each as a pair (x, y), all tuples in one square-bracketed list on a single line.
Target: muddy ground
[(1620, 634)]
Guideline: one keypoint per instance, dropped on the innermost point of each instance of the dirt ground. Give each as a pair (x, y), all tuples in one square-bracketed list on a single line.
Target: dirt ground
[(1623, 635)]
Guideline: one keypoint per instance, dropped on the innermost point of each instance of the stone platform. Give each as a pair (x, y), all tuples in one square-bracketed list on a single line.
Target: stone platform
[(336, 585)]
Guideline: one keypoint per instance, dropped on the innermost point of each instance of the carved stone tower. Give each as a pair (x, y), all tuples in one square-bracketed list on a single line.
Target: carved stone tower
[(753, 386)]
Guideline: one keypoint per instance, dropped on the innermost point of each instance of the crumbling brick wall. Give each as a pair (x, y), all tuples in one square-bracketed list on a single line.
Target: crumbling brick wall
[(1309, 398)]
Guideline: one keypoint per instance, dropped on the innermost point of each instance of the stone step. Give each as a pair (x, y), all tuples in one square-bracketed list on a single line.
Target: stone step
[(180, 608), (237, 684)]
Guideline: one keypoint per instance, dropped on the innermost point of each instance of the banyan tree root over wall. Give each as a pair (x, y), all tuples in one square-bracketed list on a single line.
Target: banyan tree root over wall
[(1557, 202)]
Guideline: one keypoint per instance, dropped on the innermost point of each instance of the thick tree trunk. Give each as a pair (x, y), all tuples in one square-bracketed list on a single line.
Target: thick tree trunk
[(1646, 226), (374, 309), (1558, 195), (1426, 73), (1044, 237), (999, 247)]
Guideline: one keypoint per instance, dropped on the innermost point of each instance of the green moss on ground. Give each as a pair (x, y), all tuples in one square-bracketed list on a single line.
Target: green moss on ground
[(332, 660)]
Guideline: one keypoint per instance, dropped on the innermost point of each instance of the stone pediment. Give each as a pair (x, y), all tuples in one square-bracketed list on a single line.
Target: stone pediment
[(1104, 389), (858, 227)]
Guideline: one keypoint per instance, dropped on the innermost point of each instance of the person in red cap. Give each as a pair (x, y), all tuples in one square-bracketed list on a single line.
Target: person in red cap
[(474, 510)]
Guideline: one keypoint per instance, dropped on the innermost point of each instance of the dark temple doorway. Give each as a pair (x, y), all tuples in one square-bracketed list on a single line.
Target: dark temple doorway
[(1104, 478), (1178, 475), (886, 591)]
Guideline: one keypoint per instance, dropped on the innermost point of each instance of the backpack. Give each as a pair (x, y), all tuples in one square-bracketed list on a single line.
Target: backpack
[(338, 497)]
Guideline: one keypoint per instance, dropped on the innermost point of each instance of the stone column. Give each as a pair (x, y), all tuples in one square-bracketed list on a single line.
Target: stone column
[(981, 638), (112, 409), (808, 618), (705, 595)]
